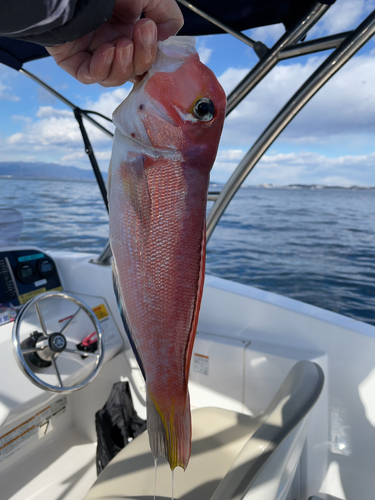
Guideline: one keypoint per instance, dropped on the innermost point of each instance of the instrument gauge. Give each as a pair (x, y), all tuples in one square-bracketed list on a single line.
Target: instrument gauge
[(26, 273), (46, 267)]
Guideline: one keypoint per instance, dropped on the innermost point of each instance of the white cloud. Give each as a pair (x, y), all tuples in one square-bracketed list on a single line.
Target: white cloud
[(77, 155), (104, 155), (314, 168), (52, 129), (21, 119), (109, 100), (50, 112), (230, 154), (344, 107), (107, 103), (344, 15), (204, 52), (13, 139), (254, 113), (8, 77), (268, 34), (5, 95), (301, 168), (231, 77), (226, 162), (53, 135)]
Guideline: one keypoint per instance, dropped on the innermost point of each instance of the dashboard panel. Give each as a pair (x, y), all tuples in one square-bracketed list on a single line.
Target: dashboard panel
[(24, 273)]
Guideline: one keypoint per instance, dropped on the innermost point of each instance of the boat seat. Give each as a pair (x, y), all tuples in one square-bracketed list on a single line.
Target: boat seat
[(233, 455), (324, 496)]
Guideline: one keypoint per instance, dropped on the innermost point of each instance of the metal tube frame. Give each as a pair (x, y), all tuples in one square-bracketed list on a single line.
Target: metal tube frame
[(264, 66), (259, 48), (327, 69), (313, 46), (285, 48), (66, 101), (345, 45), (78, 114)]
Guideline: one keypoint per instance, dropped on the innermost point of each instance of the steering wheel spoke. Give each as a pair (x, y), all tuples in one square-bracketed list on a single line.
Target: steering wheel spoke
[(57, 371), (30, 350), (41, 319), (82, 353), (70, 320), (54, 343)]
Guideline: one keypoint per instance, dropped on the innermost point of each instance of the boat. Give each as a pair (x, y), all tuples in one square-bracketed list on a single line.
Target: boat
[(282, 392)]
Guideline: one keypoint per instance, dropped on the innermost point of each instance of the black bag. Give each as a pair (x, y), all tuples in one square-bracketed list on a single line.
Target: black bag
[(116, 424)]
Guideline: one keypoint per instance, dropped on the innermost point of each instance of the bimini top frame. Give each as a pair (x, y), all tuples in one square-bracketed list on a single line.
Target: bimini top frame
[(298, 17), (345, 44)]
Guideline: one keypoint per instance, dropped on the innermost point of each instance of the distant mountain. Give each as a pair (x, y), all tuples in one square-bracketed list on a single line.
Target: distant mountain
[(50, 171)]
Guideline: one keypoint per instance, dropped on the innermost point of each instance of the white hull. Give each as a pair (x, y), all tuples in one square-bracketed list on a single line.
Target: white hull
[(247, 341)]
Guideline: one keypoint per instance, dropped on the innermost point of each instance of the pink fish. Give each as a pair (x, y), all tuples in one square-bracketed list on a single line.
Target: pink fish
[(166, 139)]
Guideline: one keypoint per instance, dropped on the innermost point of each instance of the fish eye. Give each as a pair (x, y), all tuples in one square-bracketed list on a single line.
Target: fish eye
[(204, 109)]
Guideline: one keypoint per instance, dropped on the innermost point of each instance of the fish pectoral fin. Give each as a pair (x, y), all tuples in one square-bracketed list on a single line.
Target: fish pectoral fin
[(135, 185), (125, 321)]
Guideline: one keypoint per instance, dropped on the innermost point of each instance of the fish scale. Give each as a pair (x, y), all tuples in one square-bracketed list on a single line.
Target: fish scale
[(162, 154)]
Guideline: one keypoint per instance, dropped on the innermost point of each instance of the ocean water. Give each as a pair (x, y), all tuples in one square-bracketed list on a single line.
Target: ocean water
[(310, 244)]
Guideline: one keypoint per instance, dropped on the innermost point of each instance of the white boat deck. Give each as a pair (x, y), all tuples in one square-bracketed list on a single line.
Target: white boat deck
[(66, 472)]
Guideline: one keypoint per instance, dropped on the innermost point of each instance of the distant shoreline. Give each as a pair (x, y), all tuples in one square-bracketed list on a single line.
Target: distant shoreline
[(20, 178), (214, 186), (306, 186), (40, 171)]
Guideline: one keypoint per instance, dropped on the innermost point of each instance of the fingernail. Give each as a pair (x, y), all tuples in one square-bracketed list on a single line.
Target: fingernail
[(126, 56), (148, 33), (110, 56)]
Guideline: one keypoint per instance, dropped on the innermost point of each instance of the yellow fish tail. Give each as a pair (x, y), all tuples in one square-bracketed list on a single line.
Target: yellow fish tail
[(170, 433)]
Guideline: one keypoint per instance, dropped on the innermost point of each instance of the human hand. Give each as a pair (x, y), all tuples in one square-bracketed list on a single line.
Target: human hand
[(123, 48)]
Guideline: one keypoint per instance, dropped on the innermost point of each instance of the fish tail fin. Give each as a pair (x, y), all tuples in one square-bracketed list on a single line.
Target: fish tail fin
[(170, 433)]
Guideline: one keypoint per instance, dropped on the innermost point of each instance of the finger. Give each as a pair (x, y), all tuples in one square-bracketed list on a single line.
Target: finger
[(101, 62), (165, 13), (145, 46), (74, 64), (167, 16), (85, 66), (122, 65)]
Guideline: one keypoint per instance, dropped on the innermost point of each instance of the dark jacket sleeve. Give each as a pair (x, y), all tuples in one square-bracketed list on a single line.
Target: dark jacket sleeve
[(52, 22)]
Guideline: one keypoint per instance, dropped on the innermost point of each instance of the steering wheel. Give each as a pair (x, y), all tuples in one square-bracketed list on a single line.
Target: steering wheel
[(47, 346)]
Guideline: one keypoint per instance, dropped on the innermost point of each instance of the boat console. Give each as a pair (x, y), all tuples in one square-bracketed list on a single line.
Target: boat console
[(54, 346)]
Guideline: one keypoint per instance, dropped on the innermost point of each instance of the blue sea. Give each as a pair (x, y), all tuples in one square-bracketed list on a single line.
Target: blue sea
[(312, 244)]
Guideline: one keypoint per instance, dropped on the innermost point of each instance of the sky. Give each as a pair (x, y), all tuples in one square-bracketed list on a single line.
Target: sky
[(331, 141)]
